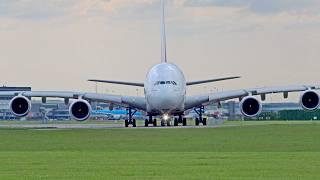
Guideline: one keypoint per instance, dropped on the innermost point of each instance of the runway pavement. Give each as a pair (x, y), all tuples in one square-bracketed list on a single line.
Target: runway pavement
[(94, 126)]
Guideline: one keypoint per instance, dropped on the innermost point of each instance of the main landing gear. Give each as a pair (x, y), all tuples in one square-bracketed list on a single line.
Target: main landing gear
[(130, 120), (180, 120), (200, 110), (166, 121), (150, 121)]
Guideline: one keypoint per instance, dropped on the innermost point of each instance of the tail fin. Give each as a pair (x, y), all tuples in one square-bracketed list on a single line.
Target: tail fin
[(163, 34)]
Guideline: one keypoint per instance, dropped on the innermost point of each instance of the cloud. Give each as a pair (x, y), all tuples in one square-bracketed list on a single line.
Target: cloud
[(262, 6), (34, 9), (205, 3), (40, 9), (101, 35), (116, 8)]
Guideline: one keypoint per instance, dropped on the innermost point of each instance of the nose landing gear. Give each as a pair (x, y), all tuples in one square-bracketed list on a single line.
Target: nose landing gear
[(165, 122)]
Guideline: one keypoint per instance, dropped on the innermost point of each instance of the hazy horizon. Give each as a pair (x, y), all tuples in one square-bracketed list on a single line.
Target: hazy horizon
[(59, 44)]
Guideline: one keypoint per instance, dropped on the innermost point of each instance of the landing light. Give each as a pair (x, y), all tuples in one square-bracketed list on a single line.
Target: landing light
[(166, 117)]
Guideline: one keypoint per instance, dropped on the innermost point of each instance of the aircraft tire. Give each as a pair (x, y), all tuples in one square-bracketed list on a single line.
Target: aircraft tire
[(154, 123), (197, 122), (176, 123), (204, 121), (134, 123), (184, 121)]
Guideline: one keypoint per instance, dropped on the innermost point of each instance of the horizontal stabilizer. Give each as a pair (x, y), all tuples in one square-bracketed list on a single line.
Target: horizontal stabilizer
[(117, 82), (211, 80)]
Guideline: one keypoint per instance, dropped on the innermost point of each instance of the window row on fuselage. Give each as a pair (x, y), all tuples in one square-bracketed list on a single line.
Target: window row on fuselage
[(165, 82)]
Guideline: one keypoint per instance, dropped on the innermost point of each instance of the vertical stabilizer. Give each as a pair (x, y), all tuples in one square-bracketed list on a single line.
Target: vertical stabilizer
[(163, 34)]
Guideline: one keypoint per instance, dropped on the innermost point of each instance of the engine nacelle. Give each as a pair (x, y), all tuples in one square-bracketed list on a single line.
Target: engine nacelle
[(80, 110), (20, 106), (310, 100), (250, 106)]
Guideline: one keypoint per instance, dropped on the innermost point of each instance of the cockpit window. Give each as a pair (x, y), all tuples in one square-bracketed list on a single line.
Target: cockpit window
[(165, 82)]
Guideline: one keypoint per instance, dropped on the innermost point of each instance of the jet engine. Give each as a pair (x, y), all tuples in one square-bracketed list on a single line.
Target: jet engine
[(310, 100), (250, 106), (80, 110), (20, 106)]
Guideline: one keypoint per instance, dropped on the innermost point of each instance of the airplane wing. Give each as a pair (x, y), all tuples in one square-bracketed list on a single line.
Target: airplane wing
[(195, 101), (118, 82), (211, 80), (142, 84), (132, 101)]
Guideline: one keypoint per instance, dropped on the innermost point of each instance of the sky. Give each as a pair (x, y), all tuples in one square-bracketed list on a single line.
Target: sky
[(59, 44)]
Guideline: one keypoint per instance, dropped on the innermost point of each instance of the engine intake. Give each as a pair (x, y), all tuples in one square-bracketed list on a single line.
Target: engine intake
[(20, 106), (250, 106), (80, 110), (310, 100)]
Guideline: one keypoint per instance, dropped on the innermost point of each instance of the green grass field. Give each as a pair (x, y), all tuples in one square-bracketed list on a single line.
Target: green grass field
[(280, 151)]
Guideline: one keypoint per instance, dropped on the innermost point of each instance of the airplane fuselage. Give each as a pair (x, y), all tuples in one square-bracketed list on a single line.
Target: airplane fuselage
[(165, 90)]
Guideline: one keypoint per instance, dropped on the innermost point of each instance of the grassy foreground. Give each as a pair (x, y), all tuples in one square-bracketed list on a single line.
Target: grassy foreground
[(287, 151)]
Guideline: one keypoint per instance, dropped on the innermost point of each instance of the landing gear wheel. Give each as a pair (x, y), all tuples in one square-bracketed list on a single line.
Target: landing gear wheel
[(126, 123), (154, 123), (163, 123), (168, 123), (176, 122), (204, 121), (146, 123), (134, 123), (184, 121), (197, 122)]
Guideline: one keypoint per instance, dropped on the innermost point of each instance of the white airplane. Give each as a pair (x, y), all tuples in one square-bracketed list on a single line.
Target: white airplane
[(165, 95)]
